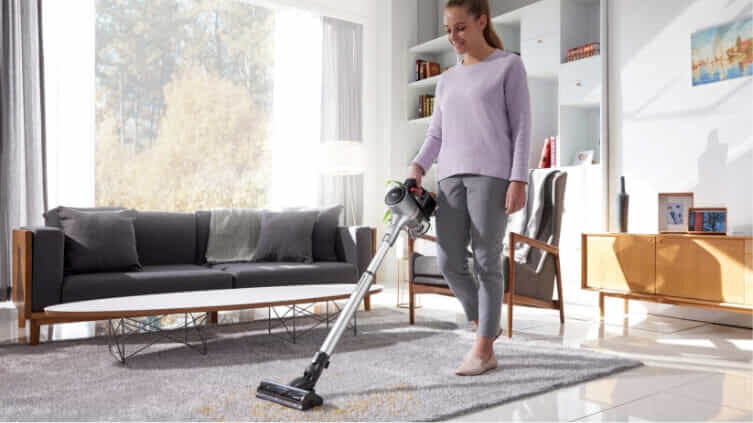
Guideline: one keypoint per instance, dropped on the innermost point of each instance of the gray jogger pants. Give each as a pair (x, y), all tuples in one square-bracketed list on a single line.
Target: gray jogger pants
[(472, 208)]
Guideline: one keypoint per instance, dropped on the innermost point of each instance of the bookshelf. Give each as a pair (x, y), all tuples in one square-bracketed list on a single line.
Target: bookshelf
[(568, 98)]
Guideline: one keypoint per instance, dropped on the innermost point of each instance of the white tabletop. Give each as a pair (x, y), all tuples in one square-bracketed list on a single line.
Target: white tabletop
[(217, 299)]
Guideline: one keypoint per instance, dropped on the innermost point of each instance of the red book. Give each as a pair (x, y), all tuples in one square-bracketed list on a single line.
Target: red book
[(698, 221)]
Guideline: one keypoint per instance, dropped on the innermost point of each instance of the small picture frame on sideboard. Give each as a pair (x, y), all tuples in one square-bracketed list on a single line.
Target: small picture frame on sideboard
[(707, 220), (673, 211)]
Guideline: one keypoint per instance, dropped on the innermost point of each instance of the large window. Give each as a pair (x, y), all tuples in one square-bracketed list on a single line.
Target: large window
[(184, 103)]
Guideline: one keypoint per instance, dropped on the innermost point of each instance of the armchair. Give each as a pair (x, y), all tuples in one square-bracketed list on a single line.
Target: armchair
[(531, 269)]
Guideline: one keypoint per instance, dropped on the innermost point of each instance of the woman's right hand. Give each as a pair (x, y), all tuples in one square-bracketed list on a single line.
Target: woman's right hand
[(417, 172)]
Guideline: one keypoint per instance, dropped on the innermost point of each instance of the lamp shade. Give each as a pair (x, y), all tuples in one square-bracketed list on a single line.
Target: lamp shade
[(342, 158)]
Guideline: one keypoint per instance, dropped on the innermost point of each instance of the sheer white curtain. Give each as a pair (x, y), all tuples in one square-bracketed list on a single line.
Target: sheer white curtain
[(297, 90), (342, 98), (69, 34)]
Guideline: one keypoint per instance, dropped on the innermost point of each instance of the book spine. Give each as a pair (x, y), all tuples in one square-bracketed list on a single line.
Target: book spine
[(433, 69), (421, 106), (418, 70), (559, 149)]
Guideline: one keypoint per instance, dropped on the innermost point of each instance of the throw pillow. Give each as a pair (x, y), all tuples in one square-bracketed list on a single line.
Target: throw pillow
[(286, 236), (99, 242), (325, 233), (52, 216)]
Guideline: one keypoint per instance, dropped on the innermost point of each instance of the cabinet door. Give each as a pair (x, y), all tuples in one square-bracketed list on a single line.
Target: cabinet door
[(541, 56), (623, 262), (701, 268), (539, 19), (580, 82)]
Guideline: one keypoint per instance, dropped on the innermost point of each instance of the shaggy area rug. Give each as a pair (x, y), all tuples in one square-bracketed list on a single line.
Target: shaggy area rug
[(390, 371)]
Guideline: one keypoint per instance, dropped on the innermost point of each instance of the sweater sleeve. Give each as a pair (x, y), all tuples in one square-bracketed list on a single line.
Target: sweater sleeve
[(518, 103), (433, 141)]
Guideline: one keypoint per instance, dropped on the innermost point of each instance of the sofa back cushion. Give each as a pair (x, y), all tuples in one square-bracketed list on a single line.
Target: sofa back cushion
[(165, 237)]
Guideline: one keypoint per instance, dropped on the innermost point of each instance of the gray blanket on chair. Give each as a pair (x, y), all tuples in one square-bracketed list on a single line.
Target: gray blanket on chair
[(233, 235), (528, 220)]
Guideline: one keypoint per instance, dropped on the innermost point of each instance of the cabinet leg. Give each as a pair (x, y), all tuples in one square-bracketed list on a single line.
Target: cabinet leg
[(33, 332), (625, 307), (213, 316), (21, 320), (367, 303), (601, 305)]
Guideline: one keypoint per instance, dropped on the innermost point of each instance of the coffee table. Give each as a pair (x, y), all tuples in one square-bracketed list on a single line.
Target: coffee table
[(122, 311)]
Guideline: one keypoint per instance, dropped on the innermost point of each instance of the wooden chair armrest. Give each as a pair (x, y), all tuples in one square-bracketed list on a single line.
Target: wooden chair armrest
[(533, 243), (411, 241)]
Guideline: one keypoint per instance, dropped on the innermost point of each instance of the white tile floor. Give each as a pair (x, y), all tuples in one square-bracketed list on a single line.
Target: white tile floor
[(694, 371)]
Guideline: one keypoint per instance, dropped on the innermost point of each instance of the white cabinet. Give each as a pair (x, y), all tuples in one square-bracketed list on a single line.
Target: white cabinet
[(580, 82), (540, 56), (540, 20), (540, 38)]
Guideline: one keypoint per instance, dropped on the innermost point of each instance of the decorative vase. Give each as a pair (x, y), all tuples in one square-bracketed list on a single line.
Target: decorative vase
[(622, 207)]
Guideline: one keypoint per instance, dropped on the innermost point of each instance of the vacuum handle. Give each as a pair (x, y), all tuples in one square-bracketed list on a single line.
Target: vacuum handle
[(425, 200)]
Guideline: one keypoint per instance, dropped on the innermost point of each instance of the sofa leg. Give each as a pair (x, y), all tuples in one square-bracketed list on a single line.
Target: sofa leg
[(367, 303), (213, 316), (33, 332), (21, 320)]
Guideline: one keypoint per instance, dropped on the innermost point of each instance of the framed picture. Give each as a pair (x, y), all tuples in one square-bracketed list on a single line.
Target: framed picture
[(673, 211), (584, 157), (707, 220), (722, 52)]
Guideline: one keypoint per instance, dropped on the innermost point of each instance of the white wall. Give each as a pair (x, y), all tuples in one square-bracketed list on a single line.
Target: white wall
[(668, 136)]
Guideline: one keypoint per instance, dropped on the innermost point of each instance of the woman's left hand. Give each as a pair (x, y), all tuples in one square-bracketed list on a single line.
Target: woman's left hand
[(516, 197)]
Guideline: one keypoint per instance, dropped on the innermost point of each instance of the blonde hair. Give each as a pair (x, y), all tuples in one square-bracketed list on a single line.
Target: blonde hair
[(476, 8)]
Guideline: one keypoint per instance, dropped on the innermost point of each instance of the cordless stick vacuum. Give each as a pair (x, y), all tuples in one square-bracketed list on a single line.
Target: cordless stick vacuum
[(409, 211)]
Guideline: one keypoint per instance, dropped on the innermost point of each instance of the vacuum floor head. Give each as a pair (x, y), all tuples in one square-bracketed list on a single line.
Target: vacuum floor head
[(289, 396)]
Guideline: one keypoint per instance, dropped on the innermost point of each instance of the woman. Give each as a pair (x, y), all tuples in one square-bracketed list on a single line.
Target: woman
[(480, 136)]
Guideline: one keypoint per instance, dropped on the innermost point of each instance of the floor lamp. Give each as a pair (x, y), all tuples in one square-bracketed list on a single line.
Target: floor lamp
[(344, 158)]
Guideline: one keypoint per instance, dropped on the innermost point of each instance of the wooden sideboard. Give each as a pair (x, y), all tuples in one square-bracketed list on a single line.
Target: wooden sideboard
[(711, 271)]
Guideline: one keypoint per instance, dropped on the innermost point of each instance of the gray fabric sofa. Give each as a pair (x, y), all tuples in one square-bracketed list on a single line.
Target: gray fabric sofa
[(171, 249)]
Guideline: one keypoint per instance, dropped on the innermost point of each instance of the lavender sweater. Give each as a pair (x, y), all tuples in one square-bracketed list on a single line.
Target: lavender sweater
[(482, 120)]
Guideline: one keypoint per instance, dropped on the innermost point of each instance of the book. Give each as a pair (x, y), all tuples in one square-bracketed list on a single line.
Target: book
[(557, 149), (421, 106), (546, 154), (433, 68)]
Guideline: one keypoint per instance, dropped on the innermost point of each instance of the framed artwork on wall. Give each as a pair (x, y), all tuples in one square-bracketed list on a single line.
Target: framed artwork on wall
[(673, 211), (722, 52), (707, 220)]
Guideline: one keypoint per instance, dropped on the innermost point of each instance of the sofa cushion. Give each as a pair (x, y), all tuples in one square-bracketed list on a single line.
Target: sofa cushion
[(99, 242), (429, 266), (428, 280), (151, 280), (426, 265), (325, 232), (165, 237), (286, 236), (247, 275)]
